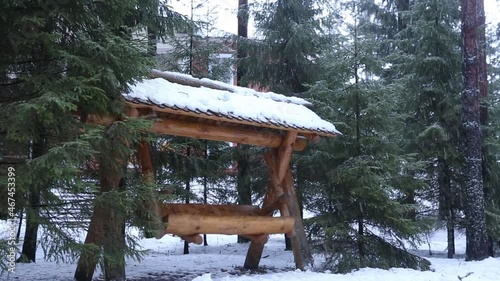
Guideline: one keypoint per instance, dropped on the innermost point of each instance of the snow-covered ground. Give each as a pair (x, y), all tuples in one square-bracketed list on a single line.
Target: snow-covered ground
[(223, 258)]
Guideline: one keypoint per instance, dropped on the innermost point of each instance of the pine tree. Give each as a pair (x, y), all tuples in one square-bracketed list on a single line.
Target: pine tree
[(474, 204), (492, 143)]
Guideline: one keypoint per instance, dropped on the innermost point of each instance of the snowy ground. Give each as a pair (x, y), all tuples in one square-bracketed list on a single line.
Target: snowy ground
[(223, 258)]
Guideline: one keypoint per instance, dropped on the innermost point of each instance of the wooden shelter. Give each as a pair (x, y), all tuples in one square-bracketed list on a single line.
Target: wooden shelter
[(211, 110)]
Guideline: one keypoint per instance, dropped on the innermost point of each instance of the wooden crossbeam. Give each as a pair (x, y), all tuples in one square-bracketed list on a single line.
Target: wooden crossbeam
[(156, 108), (221, 132), (183, 224), (217, 132), (165, 210)]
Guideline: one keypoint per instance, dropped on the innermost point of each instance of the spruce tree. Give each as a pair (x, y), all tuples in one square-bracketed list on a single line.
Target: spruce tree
[(359, 178), (283, 58), (59, 58), (426, 64)]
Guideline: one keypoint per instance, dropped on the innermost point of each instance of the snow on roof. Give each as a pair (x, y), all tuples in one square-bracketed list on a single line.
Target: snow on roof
[(230, 103)]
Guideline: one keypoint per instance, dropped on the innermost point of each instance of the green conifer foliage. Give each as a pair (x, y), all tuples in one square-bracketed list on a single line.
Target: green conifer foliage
[(359, 177), (283, 57), (59, 58), (427, 65)]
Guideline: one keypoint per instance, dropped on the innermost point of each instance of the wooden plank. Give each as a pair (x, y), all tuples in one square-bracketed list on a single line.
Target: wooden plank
[(205, 209), (182, 224)]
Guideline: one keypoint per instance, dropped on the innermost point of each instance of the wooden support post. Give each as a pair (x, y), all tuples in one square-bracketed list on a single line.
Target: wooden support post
[(278, 161), (300, 245), (261, 239), (149, 209), (256, 248), (281, 184)]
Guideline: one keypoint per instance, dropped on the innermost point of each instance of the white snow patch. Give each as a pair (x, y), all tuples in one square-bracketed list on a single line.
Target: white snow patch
[(215, 262), (243, 103)]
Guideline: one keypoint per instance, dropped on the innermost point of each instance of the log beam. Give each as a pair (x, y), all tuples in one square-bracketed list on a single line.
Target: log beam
[(285, 154), (216, 132), (221, 132), (221, 118), (230, 225), (190, 81), (166, 210)]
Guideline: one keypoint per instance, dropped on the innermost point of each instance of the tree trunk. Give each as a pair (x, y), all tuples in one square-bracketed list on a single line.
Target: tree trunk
[(188, 193), (28, 253), (205, 190), (450, 230), (107, 224), (476, 235), (446, 203), (361, 235), (483, 109), (243, 181), (242, 33), (95, 235), (114, 234)]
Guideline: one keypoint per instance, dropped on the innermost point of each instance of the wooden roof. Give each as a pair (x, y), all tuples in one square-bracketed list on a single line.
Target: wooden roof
[(208, 109)]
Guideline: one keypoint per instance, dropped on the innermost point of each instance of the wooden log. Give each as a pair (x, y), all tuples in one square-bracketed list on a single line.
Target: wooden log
[(221, 132), (300, 246), (256, 135), (180, 224), (285, 154), (256, 248), (206, 209), (274, 182), (144, 156), (191, 81), (194, 238)]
